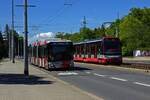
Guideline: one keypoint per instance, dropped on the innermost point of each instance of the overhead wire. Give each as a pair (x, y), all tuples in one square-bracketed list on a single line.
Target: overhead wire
[(50, 20)]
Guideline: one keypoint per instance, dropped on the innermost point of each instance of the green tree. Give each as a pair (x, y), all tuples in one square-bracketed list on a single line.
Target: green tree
[(99, 32), (1, 45), (135, 30), (87, 33), (7, 36), (60, 35)]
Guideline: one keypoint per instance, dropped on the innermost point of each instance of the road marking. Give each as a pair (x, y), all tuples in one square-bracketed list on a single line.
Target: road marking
[(88, 72), (99, 75), (119, 79), (138, 83), (68, 73)]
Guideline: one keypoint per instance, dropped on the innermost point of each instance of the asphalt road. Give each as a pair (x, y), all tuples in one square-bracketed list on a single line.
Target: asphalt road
[(108, 83)]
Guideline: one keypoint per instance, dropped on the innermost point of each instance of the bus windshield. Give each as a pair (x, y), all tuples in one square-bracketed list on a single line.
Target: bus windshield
[(62, 52), (62, 49)]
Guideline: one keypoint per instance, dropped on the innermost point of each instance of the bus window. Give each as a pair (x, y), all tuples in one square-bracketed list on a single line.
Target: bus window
[(39, 51), (45, 52), (34, 51)]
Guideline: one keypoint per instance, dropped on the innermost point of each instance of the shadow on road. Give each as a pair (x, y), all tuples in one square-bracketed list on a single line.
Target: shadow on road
[(22, 79), (76, 68)]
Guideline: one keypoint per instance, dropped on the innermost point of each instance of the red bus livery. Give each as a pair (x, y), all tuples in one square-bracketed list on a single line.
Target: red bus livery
[(104, 51)]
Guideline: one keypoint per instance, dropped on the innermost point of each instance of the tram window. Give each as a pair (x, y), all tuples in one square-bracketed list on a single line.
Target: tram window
[(95, 49), (87, 49), (77, 49), (82, 49), (99, 47), (92, 49)]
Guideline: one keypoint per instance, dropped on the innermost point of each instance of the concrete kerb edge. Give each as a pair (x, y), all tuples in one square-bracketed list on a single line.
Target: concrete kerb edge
[(71, 86)]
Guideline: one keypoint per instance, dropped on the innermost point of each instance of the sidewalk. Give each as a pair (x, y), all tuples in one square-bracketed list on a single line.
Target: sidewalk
[(38, 86)]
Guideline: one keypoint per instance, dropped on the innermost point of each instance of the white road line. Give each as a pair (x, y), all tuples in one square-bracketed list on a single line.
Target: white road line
[(99, 75), (119, 79), (88, 72), (68, 73), (138, 83)]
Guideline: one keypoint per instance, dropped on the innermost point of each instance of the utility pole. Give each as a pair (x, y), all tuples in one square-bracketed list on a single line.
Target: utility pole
[(9, 45), (12, 35), (26, 69), (18, 47), (26, 72)]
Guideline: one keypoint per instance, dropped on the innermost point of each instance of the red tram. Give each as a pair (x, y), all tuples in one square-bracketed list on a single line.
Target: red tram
[(104, 51), (54, 53)]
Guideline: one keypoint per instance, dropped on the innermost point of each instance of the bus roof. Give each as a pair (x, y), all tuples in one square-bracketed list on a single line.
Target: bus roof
[(48, 40)]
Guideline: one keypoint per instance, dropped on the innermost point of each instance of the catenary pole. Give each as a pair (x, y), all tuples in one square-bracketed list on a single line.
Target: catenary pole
[(12, 34), (26, 71)]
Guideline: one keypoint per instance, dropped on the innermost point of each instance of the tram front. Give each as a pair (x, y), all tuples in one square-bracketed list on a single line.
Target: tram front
[(112, 50)]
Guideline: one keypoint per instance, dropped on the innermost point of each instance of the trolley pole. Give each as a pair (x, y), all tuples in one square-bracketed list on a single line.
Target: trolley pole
[(26, 69), (12, 34)]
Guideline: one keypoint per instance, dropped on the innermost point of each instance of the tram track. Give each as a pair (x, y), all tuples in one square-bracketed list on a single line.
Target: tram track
[(131, 65), (137, 65)]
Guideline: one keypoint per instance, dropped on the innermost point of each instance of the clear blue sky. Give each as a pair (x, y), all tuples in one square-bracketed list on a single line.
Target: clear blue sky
[(54, 16)]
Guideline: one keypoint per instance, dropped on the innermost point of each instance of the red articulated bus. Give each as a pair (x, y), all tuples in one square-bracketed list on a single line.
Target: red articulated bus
[(50, 54), (105, 51)]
